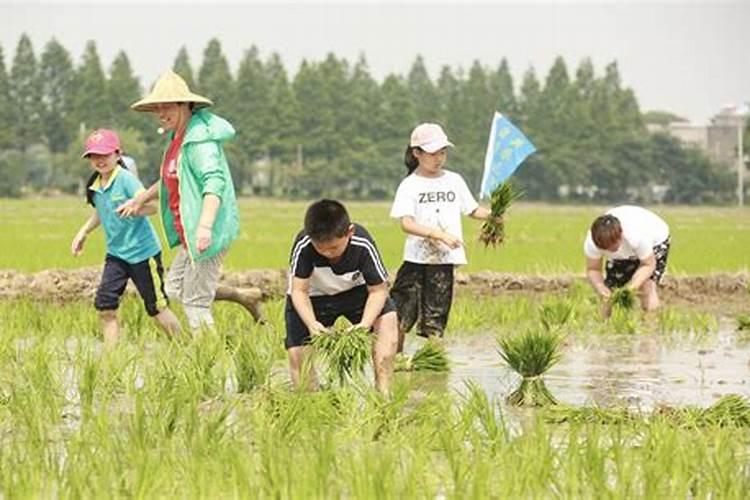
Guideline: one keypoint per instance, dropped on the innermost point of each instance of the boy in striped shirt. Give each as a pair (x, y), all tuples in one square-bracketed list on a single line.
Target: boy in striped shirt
[(336, 270)]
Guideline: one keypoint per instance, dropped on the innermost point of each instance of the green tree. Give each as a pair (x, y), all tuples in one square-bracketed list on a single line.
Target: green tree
[(11, 173), (316, 117), (6, 109), (424, 95), (501, 84), (253, 113), (91, 104), (470, 124), (25, 95), (399, 118), (215, 79), (363, 120), (123, 89), (183, 67), (57, 78), (283, 132)]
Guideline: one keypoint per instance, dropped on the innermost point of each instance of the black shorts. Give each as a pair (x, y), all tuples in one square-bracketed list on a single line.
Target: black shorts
[(327, 310), (621, 271), (424, 292), (115, 278)]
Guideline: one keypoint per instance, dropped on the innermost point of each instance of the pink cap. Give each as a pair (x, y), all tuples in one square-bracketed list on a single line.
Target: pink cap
[(101, 142), (429, 137)]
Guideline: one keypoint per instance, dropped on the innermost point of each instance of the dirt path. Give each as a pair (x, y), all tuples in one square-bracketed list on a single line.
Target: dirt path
[(729, 293)]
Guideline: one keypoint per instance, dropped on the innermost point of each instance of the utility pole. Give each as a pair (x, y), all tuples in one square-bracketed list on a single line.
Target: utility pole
[(741, 113), (740, 161)]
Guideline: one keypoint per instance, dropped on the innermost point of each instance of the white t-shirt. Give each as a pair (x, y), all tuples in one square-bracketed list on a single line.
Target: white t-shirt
[(642, 230), (435, 202)]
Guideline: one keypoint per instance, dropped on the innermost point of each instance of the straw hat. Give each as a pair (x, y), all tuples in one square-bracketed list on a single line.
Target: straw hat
[(170, 87)]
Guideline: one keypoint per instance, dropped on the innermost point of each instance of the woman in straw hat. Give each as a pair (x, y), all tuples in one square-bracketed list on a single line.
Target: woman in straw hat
[(197, 199)]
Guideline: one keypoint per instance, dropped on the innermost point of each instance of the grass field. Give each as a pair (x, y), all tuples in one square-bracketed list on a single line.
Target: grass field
[(542, 239)]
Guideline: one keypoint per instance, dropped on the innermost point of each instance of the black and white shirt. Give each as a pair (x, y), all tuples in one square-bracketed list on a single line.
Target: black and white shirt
[(359, 266)]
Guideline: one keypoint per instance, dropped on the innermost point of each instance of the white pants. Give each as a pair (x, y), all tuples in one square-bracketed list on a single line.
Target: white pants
[(193, 284)]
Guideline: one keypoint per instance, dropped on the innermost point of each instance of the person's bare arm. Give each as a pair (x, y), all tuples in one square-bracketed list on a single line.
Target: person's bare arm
[(376, 297), (76, 246), (596, 278), (644, 272), (134, 206), (301, 301)]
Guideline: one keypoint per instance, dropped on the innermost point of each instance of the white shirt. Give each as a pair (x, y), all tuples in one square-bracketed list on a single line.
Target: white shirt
[(435, 202), (642, 230)]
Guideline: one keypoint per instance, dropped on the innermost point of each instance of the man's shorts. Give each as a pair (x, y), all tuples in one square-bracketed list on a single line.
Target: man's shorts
[(115, 278), (423, 292), (621, 271), (328, 309)]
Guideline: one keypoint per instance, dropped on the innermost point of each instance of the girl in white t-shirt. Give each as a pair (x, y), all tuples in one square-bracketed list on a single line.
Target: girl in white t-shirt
[(429, 203)]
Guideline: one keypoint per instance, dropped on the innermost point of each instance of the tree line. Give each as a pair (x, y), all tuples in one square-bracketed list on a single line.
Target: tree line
[(332, 129)]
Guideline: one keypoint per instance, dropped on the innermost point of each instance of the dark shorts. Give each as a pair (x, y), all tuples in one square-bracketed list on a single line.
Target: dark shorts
[(424, 292), (621, 271), (115, 278), (328, 309)]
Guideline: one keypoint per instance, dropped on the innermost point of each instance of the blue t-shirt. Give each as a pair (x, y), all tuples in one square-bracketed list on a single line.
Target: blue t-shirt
[(131, 239)]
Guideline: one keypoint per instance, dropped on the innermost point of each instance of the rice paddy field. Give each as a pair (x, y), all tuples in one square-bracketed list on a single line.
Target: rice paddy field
[(647, 407), (544, 239)]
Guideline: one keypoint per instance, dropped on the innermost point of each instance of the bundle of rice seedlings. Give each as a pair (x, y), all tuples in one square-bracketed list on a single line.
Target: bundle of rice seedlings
[(493, 229), (555, 314), (589, 415), (743, 322), (623, 298), (345, 351), (431, 357), (730, 410), (531, 355)]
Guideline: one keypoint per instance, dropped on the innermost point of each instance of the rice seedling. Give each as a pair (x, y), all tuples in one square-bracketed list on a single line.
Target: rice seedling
[(430, 357), (555, 314), (743, 322), (492, 231), (252, 366), (346, 351), (589, 415), (622, 321), (623, 298), (531, 354), (730, 411)]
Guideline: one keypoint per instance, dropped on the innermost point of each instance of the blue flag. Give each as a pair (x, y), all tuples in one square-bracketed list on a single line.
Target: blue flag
[(506, 150)]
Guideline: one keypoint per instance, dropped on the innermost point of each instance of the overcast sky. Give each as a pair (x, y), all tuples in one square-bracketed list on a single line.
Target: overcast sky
[(690, 58)]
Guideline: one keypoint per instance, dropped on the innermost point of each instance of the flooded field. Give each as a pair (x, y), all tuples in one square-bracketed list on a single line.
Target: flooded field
[(639, 372), (216, 416)]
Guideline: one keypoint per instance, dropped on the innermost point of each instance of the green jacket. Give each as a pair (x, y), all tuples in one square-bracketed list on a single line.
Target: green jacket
[(202, 168)]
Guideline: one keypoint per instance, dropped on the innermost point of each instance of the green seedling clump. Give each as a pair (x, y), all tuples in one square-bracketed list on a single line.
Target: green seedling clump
[(493, 229), (531, 355), (432, 357), (743, 322), (555, 315), (346, 351), (623, 298), (730, 411)]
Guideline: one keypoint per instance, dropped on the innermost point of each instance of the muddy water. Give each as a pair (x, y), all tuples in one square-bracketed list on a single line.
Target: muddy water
[(639, 371)]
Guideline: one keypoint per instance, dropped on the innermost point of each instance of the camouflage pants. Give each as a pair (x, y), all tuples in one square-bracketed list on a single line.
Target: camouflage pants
[(423, 292), (621, 271)]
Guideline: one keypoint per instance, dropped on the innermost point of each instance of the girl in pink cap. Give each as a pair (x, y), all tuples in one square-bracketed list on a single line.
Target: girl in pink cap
[(133, 250), (429, 203)]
